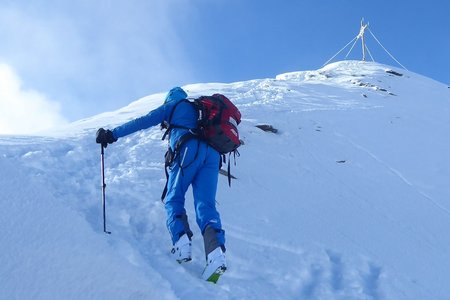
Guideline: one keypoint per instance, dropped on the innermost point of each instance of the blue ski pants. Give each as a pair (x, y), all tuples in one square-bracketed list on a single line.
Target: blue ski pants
[(199, 168)]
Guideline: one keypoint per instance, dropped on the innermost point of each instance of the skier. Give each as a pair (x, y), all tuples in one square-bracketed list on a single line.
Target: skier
[(196, 164)]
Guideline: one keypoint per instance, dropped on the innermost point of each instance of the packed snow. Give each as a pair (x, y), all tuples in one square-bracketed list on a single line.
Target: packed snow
[(349, 199)]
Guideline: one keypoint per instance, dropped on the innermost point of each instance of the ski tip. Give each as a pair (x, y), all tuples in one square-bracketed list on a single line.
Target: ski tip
[(216, 275)]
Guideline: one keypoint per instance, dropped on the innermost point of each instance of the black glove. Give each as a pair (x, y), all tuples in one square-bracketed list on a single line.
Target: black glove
[(105, 137)]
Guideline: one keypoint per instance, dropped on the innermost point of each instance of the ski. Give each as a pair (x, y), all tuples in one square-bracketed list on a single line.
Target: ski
[(214, 277)]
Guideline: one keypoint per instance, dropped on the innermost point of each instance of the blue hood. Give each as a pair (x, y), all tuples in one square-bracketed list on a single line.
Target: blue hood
[(175, 94)]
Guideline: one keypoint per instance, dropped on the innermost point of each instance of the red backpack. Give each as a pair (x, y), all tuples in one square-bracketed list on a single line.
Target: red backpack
[(217, 123)]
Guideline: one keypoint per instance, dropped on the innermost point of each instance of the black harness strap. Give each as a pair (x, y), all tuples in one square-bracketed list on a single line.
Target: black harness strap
[(171, 156), (175, 154)]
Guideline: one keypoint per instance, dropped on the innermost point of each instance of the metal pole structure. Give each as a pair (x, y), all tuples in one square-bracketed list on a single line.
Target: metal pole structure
[(361, 35), (363, 48), (102, 165)]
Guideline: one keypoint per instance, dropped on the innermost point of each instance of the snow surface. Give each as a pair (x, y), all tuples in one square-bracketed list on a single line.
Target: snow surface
[(349, 200)]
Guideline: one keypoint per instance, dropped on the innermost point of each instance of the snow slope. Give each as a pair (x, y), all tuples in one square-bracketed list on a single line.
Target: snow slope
[(348, 200)]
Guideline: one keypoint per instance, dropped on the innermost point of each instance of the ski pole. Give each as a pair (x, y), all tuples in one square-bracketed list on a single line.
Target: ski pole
[(102, 165)]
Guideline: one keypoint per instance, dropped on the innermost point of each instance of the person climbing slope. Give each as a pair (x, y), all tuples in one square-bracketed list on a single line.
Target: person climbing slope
[(193, 163)]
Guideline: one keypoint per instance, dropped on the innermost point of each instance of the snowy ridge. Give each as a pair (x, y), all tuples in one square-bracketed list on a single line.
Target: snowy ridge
[(349, 200)]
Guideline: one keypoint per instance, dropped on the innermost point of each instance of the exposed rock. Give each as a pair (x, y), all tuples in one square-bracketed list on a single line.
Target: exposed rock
[(267, 128), (394, 73)]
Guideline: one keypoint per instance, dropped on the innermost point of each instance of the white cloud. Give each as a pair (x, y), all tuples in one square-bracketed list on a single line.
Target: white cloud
[(24, 111), (95, 56)]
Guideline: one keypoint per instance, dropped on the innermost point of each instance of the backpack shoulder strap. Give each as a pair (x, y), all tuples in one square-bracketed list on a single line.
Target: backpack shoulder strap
[(174, 107), (169, 124)]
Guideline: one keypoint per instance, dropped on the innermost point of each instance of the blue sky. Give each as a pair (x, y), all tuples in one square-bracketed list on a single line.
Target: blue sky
[(84, 57)]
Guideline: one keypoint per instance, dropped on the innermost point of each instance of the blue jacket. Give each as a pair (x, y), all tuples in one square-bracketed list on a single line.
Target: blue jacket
[(184, 115)]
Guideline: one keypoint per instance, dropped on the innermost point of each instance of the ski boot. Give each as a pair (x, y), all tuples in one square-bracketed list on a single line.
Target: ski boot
[(215, 265), (182, 251)]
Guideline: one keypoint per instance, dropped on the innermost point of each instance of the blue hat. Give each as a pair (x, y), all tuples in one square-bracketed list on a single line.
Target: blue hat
[(175, 94)]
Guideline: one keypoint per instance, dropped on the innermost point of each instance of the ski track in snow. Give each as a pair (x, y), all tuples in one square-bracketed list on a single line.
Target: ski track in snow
[(402, 177), (323, 209)]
